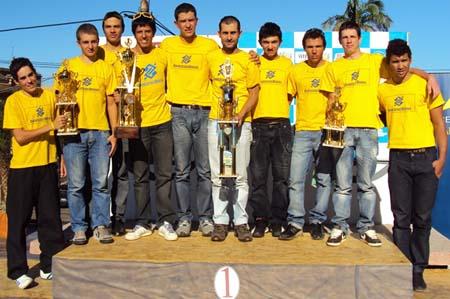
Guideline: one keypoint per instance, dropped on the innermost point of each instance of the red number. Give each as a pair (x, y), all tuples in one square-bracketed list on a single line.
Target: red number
[(227, 283)]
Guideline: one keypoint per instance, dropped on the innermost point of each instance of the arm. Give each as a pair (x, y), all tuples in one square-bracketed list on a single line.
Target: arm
[(24, 137), (433, 89), (111, 108), (251, 102), (62, 167), (441, 139), (253, 56)]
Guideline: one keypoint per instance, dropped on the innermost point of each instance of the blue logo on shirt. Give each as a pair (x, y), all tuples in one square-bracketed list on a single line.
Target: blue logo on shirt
[(150, 71)]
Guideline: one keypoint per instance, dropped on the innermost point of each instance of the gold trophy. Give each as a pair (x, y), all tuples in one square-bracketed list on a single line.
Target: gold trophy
[(127, 126), (66, 101), (227, 124), (334, 124)]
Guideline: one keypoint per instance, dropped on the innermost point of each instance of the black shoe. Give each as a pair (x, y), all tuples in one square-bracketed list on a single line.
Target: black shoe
[(419, 284), (290, 233), (317, 231), (337, 236), (260, 228), (371, 238), (276, 229), (118, 229)]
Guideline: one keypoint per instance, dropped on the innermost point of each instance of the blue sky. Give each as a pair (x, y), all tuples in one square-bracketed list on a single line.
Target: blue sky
[(427, 22)]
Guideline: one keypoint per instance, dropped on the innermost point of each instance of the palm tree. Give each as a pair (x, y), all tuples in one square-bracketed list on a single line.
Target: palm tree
[(369, 15)]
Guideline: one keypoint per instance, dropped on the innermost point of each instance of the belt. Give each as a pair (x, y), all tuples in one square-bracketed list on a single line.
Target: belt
[(191, 107), (271, 121), (412, 150)]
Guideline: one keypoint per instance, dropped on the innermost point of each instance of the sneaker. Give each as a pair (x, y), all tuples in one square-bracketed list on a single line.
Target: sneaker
[(219, 232), (419, 284), (46, 276), (276, 229), (290, 233), (337, 236), (317, 231), (206, 227), (24, 281), (118, 228), (260, 228), (184, 228), (166, 230), (103, 235), (138, 232), (242, 232), (79, 238), (371, 238)]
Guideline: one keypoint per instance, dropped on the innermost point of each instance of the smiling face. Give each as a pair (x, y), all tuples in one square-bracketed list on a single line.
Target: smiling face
[(113, 30), (350, 41), (270, 46), (229, 36), (186, 23), (27, 80), (144, 36), (88, 44)]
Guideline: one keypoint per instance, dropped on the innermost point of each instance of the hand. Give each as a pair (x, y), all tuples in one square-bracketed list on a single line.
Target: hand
[(240, 118), (116, 96), (438, 166), (62, 167), (254, 57), (433, 89), (113, 140), (59, 122)]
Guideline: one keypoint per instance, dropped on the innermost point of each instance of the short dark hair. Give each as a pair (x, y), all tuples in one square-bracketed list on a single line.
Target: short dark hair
[(397, 47), (17, 64), (228, 20), (184, 7), (314, 33), (270, 29), (142, 21), (113, 14), (87, 28), (349, 25)]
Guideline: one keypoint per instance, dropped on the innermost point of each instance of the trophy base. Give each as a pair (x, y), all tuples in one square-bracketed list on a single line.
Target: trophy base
[(333, 145), (334, 137), (71, 133), (227, 176), (127, 132)]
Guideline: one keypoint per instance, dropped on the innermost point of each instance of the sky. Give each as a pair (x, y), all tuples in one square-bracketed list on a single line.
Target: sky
[(427, 22)]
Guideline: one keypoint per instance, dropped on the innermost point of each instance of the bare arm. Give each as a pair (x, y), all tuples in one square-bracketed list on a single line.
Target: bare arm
[(441, 139), (251, 102), (112, 116), (24, 137)]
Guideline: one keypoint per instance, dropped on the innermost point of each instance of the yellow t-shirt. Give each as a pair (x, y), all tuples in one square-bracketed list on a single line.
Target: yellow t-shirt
[(408, 113), (358, 79), (245, 75), (187, 70), (311, 103), (23, 111), (273, 100), (96, 80), (153, 108)]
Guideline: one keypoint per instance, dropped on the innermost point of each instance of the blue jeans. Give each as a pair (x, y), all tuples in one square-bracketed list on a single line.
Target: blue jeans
[(190, 132), (219, 192), (89, 148), (306, 145), (362, 144)]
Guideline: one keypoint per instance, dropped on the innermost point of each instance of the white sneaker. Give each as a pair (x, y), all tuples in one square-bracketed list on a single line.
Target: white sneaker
[(137, 233), (46, 276), (24, 281), (166, 230)]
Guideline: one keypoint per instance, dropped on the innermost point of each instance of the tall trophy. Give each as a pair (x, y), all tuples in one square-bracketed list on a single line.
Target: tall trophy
[(227, 124), (66, 101), (334, 124), (127, 126)]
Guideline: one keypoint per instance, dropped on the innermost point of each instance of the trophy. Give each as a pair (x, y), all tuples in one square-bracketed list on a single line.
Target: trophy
[(227, 124), (334, 124), (66, 102), (127, 127)]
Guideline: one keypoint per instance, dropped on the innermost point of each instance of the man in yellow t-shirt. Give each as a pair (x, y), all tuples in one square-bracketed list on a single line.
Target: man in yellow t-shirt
[(113, 27), (245, 77), (272, 135), (95, 144), (415, 125), (310, 118), (187, 92), (33, 179), (358, 75), (155, 135)]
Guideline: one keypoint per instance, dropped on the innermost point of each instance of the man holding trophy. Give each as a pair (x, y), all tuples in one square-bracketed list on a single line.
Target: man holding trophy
[(235, 88), (94, 144), (155, 134)]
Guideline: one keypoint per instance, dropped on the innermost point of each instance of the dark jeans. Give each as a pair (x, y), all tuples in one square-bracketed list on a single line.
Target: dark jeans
[(120, 168), (28, 188), (272, 144), (413, 186), (156, 141)]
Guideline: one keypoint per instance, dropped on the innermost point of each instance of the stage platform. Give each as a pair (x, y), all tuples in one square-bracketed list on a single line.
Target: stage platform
[(267, 268)]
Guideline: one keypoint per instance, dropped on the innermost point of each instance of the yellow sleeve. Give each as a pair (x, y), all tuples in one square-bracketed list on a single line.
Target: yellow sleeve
[(111, 81), (253, 75), (382, 65), (291, 86), (381, 100), (328, 79), (11, 117), (438, 101)]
